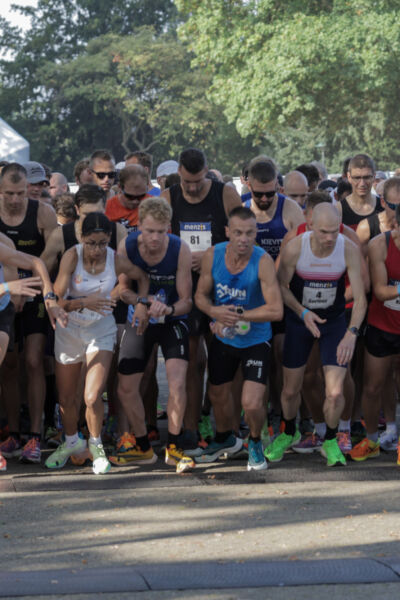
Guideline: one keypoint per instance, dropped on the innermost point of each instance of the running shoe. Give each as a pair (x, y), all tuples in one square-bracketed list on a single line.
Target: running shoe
[(344, 441), (256, 460), (214, 450), (310, 443), (275, 451), (101, 464), (60, 457), (205, 428), (128, 453), (333, 454), (306, 426), (388, 441), (31, 451), (177, 458), (3, 463), (266, 435), (11, 447), (365, 449), (78, 460)]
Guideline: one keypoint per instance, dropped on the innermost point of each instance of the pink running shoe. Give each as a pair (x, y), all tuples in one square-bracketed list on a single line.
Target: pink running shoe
[(10, 447), (3, 463), (31, 451), (344, 441)]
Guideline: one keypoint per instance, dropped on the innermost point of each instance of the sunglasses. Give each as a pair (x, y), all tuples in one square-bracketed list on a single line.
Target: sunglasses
[(138, 197), (390, 204), (104, 174), (259, 195)]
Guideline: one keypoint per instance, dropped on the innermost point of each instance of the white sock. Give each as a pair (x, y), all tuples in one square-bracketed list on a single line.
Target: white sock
[(71, 440), (344, 425), (95, 441), (391, 428), (320, 429)]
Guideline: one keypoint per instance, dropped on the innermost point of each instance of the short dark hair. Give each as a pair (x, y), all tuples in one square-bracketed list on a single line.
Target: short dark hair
[(80, 167), (14, 171), (89, 193), (144, 158), (310, 172), (96, 222), (193, 160), (242, 212), (343, 186), (101, 155), (345, 166), (391, 183), (263, 171), (361, 161), (317, 197), (172, 179)]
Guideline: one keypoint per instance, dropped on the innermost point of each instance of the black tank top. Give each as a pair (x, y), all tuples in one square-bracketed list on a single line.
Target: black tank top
[(26, 236), (70, 238), (351, 218), (210, 212), (374, 226)]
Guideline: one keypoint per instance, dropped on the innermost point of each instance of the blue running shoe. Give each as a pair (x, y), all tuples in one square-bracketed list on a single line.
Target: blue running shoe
[(256, 460), (216, 449)]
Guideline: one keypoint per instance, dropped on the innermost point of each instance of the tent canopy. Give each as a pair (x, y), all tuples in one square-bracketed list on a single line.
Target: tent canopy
[(13, 147)]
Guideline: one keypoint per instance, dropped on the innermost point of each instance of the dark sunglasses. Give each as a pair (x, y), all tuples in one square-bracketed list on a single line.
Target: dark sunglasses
[(390, 204), (104, 174), (134, 196), (259, 195)]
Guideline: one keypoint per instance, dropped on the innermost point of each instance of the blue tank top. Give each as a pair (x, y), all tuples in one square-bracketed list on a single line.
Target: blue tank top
[(241, 289), (271, 234), (163, 275)]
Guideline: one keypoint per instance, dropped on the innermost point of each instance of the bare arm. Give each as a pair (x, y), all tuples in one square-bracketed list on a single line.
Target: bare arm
[(363, 234), (54, 247), (47, 220), (272, 310), (230, 198), (292, 215), (377, 253)]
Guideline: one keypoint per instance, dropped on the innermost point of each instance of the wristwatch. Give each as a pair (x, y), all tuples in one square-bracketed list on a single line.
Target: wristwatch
[(172, 307), (50, 296), (354, 330), (239, 310), (143, 300)]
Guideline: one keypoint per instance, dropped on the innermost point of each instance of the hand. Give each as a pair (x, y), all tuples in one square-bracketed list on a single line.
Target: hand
[(225, 314), (140, 318), (98, 303), (311, 320), (216, 328), (30, 286), (56, 314), (158, 309), (196, 260), (345, 349)]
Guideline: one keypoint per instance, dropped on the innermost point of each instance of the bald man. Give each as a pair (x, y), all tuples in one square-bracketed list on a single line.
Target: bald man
[(58, 184), (295, 186), (312, 279)]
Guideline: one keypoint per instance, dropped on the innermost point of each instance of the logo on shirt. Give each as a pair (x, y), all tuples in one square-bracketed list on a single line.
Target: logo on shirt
[(224, 290), (78, 279)]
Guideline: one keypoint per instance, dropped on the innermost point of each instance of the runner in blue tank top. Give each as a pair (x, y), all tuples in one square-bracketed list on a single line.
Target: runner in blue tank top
[(238, 289)]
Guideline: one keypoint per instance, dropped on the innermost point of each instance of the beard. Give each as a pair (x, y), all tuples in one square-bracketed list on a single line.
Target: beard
[(264, 206)]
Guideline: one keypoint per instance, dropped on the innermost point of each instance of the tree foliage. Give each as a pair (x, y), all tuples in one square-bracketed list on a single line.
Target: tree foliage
[(331, 66)]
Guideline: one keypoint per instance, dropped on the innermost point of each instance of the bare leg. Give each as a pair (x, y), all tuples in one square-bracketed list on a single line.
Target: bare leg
[(67, 377), (254, 407), (334, 399), (97, 369), (292, 384), (376, 371), (10, 389), (176, 375), (194, 383), (131, 402), (221, 400), (34, 357)]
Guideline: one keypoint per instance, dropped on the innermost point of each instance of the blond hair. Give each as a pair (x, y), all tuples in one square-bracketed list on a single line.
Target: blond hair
[(158, 208)]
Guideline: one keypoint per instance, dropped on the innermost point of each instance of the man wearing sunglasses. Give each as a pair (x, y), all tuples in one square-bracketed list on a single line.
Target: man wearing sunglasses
[(102, 167), (123, 208)]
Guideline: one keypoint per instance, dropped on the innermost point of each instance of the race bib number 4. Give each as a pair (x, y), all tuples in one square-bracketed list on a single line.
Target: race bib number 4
[(196, 235), (319, 294)]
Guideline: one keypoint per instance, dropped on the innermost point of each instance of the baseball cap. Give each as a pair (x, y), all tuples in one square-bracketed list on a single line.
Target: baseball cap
[(380, 175), (167, 168), (35, 173), (327, 185)]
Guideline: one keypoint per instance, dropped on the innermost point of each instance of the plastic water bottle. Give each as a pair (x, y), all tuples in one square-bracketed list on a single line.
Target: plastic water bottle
[(229, 332), (161, 296)]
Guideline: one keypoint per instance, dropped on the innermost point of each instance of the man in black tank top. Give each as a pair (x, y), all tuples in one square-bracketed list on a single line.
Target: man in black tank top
[(200, 208), (28, 223)]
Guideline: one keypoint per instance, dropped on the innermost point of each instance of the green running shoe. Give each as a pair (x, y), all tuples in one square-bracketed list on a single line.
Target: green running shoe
[(333, 454), (59, 457), (101, 463), (205, 428), (275, 451)]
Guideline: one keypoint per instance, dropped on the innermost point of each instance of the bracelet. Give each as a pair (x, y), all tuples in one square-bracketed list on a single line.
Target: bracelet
[(172, 306), (303, 314), (6, 288), (398, 289)]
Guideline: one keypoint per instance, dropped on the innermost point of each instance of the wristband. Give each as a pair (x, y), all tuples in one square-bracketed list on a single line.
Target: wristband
[(398, 289), (7, 289), (172, 306), (303, 314)]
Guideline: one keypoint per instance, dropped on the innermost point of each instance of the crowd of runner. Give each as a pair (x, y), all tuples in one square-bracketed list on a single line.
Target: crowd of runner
[(277, 312)]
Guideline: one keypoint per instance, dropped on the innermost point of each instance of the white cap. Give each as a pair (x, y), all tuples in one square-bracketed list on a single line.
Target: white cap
[(167, 168), (119, 166)]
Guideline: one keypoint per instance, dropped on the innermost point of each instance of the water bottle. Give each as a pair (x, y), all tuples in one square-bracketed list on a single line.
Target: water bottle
[(161, 296), (229, 332)]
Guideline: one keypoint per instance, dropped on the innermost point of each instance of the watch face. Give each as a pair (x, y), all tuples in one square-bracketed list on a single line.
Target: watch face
[(239, 310)]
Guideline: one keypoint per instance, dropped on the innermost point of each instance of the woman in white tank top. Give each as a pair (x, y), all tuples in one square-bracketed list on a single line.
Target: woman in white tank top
[(86, 285)]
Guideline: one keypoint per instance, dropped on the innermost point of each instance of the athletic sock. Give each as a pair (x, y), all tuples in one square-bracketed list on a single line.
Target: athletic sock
[(222, 436), (391, 428), (254, 439), (95, 441), (373, 437), (344, 425), (71, 440), (290, 426), (320, 430), (143, 442), (330, 433)]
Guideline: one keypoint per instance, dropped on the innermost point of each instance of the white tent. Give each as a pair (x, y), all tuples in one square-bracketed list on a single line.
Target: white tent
[(13, 147)]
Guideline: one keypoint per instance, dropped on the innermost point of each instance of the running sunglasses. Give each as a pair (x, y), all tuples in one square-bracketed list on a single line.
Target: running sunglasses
[(259, 195), (104, 174), (390, 204), (138, 197)]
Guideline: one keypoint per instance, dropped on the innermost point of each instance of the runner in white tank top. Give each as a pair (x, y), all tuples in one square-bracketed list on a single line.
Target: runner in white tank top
[(85, 282)]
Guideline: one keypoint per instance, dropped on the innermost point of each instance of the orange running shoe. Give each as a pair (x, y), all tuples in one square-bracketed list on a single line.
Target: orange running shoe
[(365, 449)]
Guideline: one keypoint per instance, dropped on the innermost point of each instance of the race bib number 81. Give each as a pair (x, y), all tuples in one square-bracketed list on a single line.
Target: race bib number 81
[(196, 235)]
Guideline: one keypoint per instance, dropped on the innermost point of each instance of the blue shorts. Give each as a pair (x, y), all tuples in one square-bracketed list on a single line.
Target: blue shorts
[(299, 341)]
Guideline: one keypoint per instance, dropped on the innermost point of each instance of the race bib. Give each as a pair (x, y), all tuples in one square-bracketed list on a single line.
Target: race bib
[(395, 303), (196, 235), (319, 294)]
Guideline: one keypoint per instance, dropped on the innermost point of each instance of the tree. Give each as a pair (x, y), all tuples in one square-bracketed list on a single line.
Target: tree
[(331, 65)]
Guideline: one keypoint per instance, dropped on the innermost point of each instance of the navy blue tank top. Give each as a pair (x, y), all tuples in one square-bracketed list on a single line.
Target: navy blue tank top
[(271, 234)]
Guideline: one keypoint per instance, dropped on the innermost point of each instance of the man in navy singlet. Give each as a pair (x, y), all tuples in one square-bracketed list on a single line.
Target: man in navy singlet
[(239, 290), (311, 274)]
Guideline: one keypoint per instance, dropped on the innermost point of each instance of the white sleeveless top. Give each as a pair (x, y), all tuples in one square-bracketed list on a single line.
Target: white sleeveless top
[(84, 283)]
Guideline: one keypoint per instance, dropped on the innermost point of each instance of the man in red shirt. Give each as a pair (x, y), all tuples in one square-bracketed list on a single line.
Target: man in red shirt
[(123, 208)]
